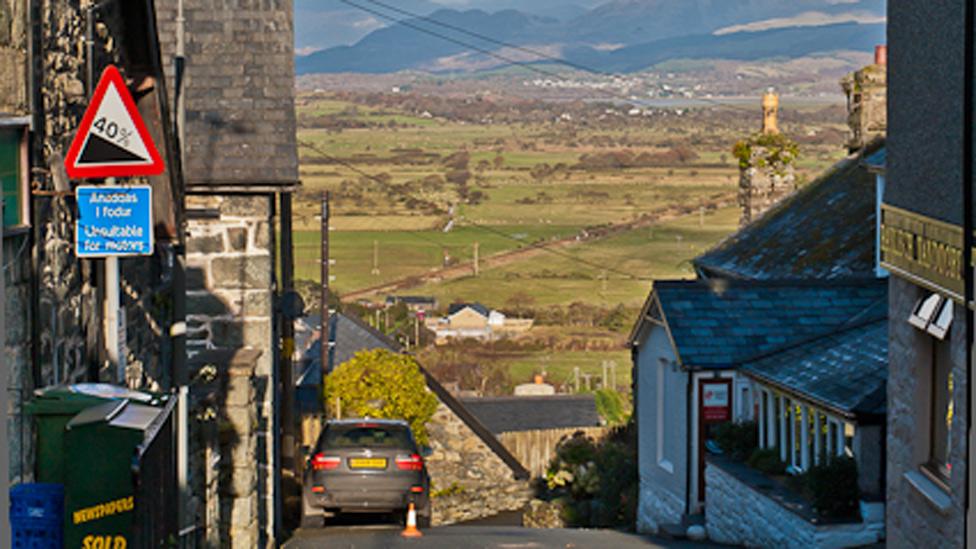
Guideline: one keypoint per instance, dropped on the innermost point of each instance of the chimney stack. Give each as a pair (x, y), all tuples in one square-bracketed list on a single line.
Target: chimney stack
[(867, 91), (770, 107)]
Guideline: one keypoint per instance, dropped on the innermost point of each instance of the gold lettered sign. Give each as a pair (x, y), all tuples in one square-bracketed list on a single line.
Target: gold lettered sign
[(926, 250)]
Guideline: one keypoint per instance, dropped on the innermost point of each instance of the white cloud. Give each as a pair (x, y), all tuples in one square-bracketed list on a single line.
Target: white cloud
[(367, 23), (307, 50), (805, 19)]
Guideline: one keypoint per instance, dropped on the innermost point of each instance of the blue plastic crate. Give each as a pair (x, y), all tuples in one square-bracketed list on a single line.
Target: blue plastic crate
[(36, 516)]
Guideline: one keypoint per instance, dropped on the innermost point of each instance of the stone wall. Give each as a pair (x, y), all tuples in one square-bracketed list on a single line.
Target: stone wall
[(913, 520), (223, 477), (468, 480), (230, 279), (13, 56), (739, 515), (657, 506), (17, 355)]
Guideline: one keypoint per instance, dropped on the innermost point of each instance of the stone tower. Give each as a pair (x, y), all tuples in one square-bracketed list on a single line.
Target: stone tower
[(867, 101), (766, 171), (770, 107)]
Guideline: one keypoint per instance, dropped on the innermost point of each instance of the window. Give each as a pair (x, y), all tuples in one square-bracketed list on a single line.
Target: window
[(940, 429), (13, 175)]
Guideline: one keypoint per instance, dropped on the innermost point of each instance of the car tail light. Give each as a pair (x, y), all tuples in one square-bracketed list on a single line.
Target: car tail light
[(412, 462), (322, 462), (318, 489), (417, 489)]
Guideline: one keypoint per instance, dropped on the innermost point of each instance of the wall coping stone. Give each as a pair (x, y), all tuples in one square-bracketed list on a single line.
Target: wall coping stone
[(773, 490)]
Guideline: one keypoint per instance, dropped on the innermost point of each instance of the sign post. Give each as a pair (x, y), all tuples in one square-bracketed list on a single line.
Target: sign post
[(113, 220)]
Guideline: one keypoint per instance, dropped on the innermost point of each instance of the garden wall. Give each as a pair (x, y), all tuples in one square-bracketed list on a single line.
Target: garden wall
[(739, 514)]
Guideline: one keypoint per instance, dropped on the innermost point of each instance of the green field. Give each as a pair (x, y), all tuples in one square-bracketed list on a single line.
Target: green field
[(406, 253), (394, 187), (559, 366)]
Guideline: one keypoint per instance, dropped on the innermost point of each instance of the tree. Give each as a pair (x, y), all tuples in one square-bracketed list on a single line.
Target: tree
[(384, 385), (458, 160)]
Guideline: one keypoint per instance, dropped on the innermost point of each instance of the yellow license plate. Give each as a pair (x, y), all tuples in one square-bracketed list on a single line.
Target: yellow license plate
[(367, 463)]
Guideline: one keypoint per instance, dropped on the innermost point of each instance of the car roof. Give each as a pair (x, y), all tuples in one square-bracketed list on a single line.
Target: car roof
[(355, 421)]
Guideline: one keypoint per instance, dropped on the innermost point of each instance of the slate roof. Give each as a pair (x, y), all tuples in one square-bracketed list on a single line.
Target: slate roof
[(527, 413), (239, 92), (845, 371), (723, 323), (458, 307), (350, 336), (824, 230)]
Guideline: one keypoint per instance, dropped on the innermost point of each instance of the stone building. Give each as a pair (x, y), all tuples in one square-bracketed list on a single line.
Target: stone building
[(54, 301), (240, 168), (240, 165), (867, 100), (923, 241), (691, 341)]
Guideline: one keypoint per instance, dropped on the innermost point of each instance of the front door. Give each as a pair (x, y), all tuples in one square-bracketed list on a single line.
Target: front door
[(714, 408)]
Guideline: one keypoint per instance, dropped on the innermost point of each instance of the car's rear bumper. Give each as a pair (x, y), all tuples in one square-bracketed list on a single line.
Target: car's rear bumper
[(371, 501)]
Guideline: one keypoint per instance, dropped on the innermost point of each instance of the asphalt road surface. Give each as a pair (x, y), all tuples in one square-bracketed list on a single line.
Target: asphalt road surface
[(383, 536)]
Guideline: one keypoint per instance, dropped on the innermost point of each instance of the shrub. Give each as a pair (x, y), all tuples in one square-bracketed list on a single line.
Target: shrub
[(595, 483), (767, 461), (610, 406), (833, 488), (738, 440), (382, 384)]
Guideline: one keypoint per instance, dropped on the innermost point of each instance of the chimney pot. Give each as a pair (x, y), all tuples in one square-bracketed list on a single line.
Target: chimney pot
[(881, 55)]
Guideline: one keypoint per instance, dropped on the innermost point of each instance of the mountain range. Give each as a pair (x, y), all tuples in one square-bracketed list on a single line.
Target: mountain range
[(615, 36)]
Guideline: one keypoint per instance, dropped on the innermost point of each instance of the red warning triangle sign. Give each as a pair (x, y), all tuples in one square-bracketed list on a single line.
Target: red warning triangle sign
[(112, 140)]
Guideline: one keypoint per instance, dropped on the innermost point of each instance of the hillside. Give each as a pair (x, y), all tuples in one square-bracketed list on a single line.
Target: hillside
[(629, 34)]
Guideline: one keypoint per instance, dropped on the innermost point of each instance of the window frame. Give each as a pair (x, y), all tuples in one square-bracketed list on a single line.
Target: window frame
[(937, 467), (21, 126)]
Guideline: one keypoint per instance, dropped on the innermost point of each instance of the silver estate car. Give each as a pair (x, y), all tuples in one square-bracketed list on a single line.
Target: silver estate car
[(365, 465)]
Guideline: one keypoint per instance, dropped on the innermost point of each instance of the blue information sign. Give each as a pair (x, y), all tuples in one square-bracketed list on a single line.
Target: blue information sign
[(113, 221)]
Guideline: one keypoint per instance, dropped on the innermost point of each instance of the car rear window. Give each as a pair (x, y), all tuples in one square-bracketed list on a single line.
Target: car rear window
[(367, 436)]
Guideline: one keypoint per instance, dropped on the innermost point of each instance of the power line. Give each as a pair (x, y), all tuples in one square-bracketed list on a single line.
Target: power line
[(486, 228), (528, 66)]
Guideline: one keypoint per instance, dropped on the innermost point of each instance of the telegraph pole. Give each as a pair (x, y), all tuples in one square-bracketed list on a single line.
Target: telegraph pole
[(477, 267), (325, 288), (376, 258)]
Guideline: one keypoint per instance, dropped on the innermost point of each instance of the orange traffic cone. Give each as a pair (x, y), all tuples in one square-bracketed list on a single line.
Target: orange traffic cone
[(411, 530)]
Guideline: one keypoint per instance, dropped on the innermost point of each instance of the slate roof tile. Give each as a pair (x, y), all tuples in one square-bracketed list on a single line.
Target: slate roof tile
[(722, 325), (529, 413), (845, 370)]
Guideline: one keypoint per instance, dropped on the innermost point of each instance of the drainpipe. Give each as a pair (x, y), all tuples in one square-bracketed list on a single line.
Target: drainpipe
[(689, 387), (967, 256), (186, 522)]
